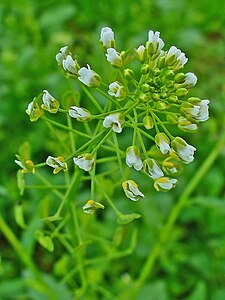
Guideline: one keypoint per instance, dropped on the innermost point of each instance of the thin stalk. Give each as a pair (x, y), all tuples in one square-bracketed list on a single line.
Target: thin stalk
[(92, 98)]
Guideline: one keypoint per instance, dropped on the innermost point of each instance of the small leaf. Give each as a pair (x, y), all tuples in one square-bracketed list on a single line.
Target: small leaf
[(20, 181), (125, 219), (44, 240), (19, 217)]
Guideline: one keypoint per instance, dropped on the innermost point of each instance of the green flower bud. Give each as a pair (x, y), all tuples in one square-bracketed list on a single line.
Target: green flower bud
[(148, 122), (160, 105), (91, 206), (141, 53), (169, 74), (155, 97), (145, 69), (181, 92), (129, 74), (161, 62), (180, 78), (143, 97), (145, 88), (156, 72), (173, 98), (172, 118)]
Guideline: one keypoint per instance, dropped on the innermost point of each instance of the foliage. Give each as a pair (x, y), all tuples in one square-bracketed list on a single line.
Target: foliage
[(186, 239)]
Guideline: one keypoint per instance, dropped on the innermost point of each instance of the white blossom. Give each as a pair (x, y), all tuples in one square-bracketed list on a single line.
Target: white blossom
[(79, 113), (117, 90), (131, 190), (115, 121), (186, 125), (89, 77), (179, 56), (133, 158), (33, 111), (183, 149), (63, 52), (70, 65), (155, 40), (107, 37), (49, 102), (163, 142), (57, 163), (141, 52), (84, 161), (191, 79), (152, 168), (164, 184), (114, 57), (196, 109)]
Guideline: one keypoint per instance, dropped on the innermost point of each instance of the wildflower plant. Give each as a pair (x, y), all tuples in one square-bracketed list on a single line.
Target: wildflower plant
[(147, 104)]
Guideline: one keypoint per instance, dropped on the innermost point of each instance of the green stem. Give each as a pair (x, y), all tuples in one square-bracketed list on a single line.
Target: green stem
[(118, 155), (182, 202), (72, 140), (66, 127), (101, 142), (92, 98)]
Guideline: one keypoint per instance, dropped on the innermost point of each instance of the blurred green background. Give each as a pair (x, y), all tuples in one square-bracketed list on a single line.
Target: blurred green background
[(31, 33)]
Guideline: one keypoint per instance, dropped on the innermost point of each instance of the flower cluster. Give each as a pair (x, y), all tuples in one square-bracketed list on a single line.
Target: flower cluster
[(149, 103)]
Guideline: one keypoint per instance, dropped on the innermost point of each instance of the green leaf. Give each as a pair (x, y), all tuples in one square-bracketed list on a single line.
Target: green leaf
[(44, 240), (20, 181), (125, 219), (19, 217)]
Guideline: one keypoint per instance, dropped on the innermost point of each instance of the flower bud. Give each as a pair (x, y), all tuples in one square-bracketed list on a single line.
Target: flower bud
[(173, 98), (172, 118), (143, 97), (145, 87), (181, 92), (169, 74), (148, 122), (141, 53), (107, 38), (160, 105), (145, 69), (161, 62), (131, 190), (190, 80), (129, 74), (180, 78)]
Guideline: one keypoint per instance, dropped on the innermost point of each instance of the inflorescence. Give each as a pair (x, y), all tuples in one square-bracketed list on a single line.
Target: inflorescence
[(149, 102)]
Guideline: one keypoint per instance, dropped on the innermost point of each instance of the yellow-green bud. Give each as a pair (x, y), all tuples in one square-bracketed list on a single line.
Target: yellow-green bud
[(161, 62), (161, 105), (143, 97), (145, 88), (172, 118), (145, 69), (129, 74), (155, 97), (181, 92), (173, 98), (148, 122), (169, 74), (180, 78), (156, 72)]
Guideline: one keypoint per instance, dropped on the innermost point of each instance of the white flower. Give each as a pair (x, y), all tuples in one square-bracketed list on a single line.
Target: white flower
[(133, 158), (152, 168), (164, 184), (84, 161), (178, 55), (79, 113), (162, 141), (25, 165), (33, 111), (89, 77), (184, 150), (196, 109), (57, 163), (115, 121), (49, 102), (107, 37), (63, 52), (141, 53), (191, 79), (70, 65), (155, 40), (117, 90), (91, 206), (186, 125), (114, 57), (131, 190)]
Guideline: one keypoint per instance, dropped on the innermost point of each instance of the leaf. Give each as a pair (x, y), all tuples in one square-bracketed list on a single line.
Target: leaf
[(44, 240), (20, 181), (125, 219), (19, 217)]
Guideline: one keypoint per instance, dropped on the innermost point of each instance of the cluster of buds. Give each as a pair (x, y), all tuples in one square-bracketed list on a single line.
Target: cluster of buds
[(146, 102)]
